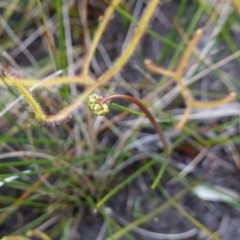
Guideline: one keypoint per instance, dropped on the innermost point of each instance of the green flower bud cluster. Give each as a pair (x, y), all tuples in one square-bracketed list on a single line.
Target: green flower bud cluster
[(95, 105)]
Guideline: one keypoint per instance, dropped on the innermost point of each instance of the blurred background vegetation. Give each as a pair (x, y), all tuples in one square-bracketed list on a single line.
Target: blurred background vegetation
[(90, 177)]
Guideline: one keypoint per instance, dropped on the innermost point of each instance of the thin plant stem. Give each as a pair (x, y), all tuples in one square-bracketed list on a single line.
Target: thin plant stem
[(102, 26), (148, 114), (50, 42)]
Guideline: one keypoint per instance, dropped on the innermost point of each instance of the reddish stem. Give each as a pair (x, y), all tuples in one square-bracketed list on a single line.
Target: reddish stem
[(147, 113)]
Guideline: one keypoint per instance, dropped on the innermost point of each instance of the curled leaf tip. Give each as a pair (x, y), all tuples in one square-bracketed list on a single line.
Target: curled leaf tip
[(95, 105)]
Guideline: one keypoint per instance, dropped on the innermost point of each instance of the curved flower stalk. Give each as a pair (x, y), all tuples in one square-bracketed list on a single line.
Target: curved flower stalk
[(98, 105)]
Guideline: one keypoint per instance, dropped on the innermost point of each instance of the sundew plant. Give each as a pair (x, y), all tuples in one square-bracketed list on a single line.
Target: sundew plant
[(87, 135)]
